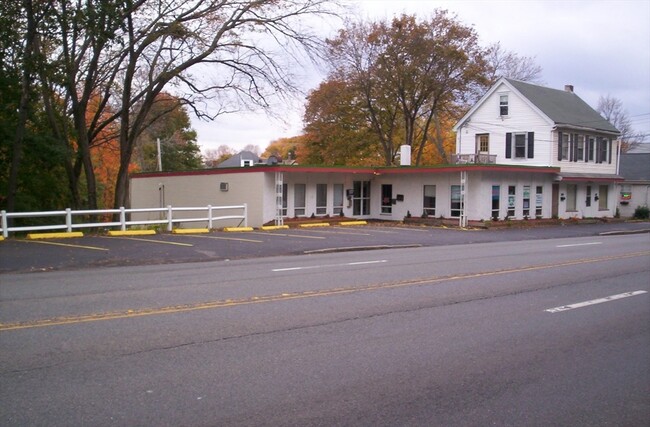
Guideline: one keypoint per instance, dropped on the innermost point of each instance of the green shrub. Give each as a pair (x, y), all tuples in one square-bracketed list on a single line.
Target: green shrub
[(641, 212)]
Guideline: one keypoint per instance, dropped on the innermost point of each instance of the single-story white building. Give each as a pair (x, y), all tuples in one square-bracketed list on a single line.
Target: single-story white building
[(464, 192)]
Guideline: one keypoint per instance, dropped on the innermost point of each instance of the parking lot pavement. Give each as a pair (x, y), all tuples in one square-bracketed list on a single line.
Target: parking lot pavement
[(20, 255)]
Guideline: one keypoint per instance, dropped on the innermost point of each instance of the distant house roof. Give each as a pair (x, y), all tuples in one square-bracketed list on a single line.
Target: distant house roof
[(641, 148), (635, 166), (563, 106), (239, 159)]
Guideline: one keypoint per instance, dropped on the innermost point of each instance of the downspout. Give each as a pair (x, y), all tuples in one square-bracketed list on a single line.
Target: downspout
[(459, 137), (462, 201), (618, 155)]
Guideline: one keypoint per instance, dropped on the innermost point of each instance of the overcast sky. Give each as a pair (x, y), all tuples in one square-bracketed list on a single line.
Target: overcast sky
[(600, 47)]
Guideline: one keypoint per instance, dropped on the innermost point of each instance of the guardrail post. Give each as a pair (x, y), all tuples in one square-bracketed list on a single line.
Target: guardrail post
[(122, 219), (209, 217), (170, 222), (68, 219), (245, 215), (5, 231)]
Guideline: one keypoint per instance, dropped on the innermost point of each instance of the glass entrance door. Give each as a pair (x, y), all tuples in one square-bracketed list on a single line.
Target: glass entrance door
[(361, 198)]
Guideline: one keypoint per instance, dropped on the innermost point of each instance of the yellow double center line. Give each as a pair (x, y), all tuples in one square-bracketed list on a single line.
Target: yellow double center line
[(66, 320)]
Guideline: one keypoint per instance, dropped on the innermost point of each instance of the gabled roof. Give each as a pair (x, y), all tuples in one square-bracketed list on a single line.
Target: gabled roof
[(235, 161), (635, 166), (561, 107)]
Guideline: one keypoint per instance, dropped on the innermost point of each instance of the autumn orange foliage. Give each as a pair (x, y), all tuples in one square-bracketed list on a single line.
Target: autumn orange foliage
[(105, 155)]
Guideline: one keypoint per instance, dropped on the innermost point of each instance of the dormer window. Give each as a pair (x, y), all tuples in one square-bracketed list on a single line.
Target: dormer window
[(503, 105)]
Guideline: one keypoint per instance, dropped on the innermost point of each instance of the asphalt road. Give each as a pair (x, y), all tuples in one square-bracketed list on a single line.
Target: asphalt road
[(464, 334), (21, 255)]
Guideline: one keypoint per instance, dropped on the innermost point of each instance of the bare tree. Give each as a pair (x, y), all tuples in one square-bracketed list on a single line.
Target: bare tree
[(213, 157), (122, 54), (503, 63), (255, 149), (612, 109)]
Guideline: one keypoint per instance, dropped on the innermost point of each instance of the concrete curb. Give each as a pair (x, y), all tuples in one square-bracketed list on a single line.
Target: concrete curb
[(274, 227), (353, 223), (36, 236), (190, 230), (623, 232), (114, 233), (317, 224), (235, 229)]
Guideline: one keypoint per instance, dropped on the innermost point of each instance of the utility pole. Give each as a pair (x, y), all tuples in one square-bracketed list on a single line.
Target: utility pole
[(159, 155)]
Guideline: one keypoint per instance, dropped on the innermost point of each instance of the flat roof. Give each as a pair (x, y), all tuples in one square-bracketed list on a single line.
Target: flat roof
[(374, 170)]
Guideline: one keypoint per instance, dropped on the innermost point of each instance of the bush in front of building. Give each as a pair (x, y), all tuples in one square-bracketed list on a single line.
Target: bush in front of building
[(641, 212)]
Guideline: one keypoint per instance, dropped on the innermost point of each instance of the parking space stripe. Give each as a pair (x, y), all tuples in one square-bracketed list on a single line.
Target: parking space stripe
[(287, 235), (331, 231), (69, 245), (227, 238), (153, 241)]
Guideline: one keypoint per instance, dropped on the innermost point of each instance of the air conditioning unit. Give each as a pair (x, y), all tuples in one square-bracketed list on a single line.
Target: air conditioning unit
[(223, 186)]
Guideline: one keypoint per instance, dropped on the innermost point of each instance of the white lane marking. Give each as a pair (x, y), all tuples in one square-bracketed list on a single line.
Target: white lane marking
[(579, 244), (328, 265), (595, 301)]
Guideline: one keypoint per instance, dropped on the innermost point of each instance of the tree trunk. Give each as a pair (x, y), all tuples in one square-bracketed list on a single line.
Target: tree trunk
[(439, 142), (83, 147), (19, 139)]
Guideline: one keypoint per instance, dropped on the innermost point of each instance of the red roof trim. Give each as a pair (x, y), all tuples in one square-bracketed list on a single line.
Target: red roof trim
[(355, 170), (591, 179)]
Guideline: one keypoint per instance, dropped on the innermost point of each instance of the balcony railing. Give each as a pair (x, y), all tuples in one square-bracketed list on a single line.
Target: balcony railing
[(462, 159)]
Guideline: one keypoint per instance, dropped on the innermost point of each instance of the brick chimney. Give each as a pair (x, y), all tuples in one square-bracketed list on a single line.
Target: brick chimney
[(568, 88)]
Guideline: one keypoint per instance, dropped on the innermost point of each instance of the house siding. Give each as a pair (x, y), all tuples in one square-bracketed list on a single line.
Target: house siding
[(521, 118), (639, 196), (581, 166)]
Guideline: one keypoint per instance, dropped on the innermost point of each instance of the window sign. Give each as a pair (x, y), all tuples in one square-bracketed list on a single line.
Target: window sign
[(526, 200), (511, 200)]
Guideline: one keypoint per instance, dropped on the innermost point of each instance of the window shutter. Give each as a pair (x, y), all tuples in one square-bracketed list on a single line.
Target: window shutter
[(599, 141), (575, 147), (559, 145), (508, 145), (570, 147), (587, 148), (531, 145)]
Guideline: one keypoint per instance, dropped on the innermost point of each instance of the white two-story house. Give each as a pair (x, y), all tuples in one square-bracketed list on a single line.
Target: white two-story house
[(522, 124)]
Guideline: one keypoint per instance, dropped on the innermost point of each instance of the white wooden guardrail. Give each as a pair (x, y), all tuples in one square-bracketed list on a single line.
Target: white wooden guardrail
[(167, 216)]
